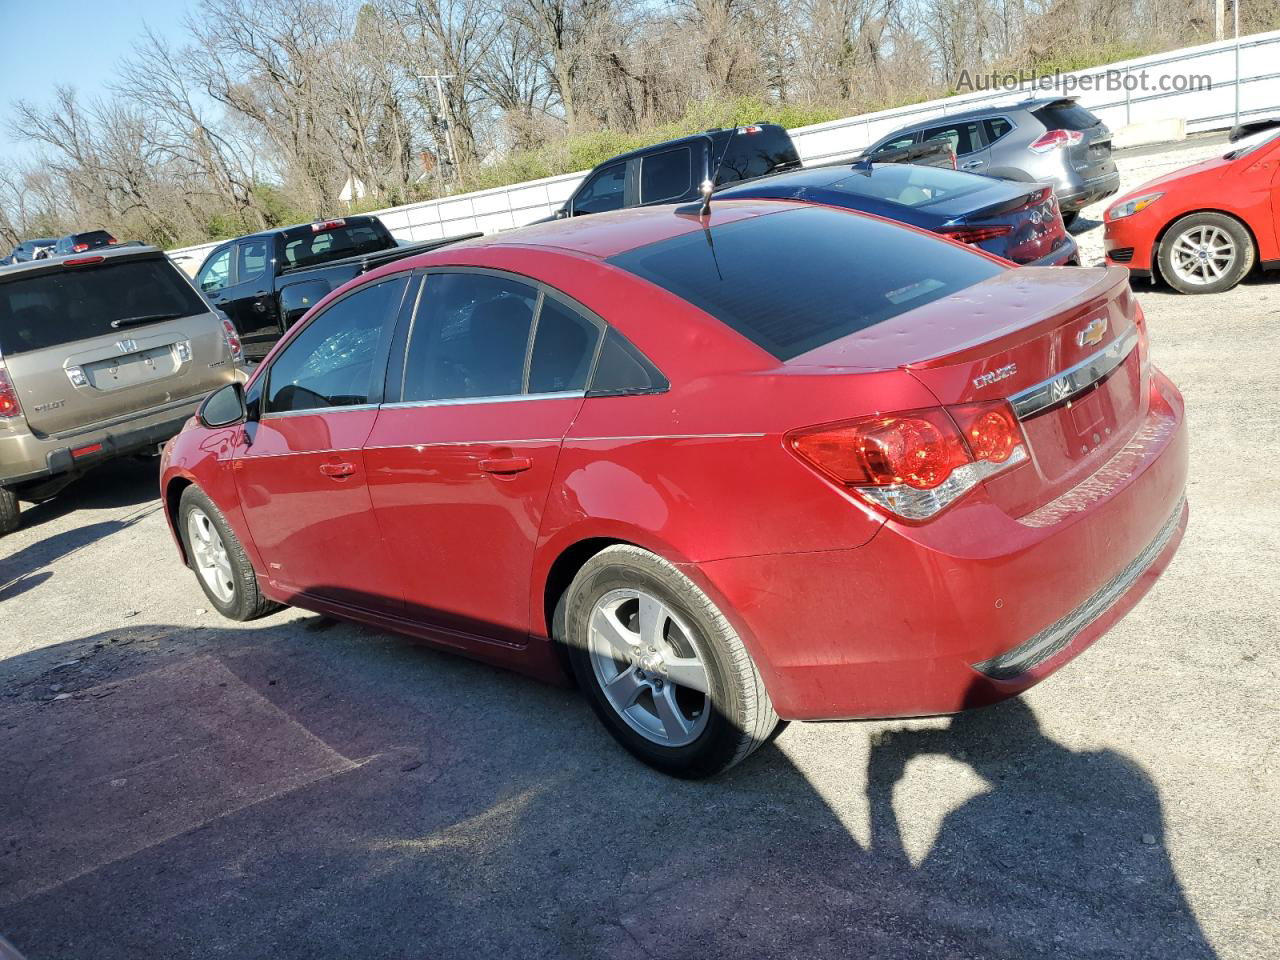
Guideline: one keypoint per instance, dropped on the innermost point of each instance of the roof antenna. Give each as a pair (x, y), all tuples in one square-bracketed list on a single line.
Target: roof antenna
[(707, 185)]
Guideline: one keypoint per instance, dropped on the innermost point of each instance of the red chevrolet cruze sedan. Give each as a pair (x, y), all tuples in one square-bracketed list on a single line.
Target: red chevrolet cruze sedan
[(781, 462), (1203, 228)]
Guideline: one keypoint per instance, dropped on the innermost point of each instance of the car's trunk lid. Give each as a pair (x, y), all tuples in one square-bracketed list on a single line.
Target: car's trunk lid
[(1060, 344), (89, 345)]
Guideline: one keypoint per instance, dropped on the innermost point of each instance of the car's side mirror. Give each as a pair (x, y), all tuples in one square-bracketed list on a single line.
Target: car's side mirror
[(562, 213), (224, 407)]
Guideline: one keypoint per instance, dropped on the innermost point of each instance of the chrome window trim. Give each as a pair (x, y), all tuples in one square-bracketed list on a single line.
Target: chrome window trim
[(472, 401), (1061, 387), (313, 411)]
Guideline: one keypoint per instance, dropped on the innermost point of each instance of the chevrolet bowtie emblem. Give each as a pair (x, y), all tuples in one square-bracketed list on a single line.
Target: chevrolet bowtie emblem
[(1093, 333)]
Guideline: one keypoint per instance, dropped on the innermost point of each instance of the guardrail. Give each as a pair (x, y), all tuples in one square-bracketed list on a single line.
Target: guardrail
[(1242, 83)]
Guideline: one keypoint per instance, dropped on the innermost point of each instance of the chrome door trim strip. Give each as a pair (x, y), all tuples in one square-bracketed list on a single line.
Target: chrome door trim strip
[(1061, 387), (317, 411), (474, 401)]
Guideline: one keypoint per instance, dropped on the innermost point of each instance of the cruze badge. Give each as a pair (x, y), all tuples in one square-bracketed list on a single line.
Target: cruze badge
[(995, 376), (1093, 333)]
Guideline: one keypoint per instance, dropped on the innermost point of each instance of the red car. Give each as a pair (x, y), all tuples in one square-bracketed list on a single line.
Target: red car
[(1203, 228), (785, 462)]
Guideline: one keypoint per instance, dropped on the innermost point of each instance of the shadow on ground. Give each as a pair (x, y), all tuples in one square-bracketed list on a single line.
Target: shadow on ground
[(294, 793)]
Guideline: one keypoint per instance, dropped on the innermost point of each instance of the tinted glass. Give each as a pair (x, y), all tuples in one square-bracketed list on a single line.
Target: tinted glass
[(61, 306), (470, 338), (304, 246), (910, 185), (563, 348), (997, 127), (603, 192), (795, 280), (216, 273), (897, 143), (1065, 116), (330, 363), (964, 138), (252, 255), (622, 369), (666, 175), (751, 155), (92, 239)]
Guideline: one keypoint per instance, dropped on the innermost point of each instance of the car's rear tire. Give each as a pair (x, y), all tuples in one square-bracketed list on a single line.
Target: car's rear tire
[(10, 512), (632, 625), (1206, 253), (218, 560)]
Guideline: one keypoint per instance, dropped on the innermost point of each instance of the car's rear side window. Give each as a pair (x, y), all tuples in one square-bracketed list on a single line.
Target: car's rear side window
[(749, 155), (1065, 115), (795, 280), (46, 308)]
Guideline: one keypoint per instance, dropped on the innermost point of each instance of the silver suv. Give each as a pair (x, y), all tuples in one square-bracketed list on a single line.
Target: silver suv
[(101, 355), (1052, 139)]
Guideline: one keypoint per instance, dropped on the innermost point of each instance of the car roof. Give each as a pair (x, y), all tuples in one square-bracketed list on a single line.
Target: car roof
[(715, 133), (604, 235), (986, 109), (122, 251), (277, 231)]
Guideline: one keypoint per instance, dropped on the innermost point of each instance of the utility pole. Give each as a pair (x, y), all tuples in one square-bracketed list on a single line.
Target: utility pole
[(1219, 18), (447, 114), (1235, 11)]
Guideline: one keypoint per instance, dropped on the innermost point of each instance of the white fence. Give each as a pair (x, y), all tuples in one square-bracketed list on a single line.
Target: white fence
[(1242, 80)]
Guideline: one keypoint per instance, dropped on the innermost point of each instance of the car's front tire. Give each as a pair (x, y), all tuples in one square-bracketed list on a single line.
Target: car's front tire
[(10, 512), (1206, 253), (661, 666), (220, 564)]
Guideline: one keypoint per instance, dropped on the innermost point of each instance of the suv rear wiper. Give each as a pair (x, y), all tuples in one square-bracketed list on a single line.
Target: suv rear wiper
[(145, 318)]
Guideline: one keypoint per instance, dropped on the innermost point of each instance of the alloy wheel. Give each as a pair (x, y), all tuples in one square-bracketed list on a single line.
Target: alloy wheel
[(210, 556), (1203, 254), (647, 665)]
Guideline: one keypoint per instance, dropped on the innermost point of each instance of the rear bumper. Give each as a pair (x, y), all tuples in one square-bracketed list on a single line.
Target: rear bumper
[(972, 608), (26, 457), (1078, 195), (1066, 255)]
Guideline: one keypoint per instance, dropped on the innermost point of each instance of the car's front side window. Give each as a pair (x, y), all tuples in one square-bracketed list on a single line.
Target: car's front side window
[(331, 362), (216, 273), (603, 192)]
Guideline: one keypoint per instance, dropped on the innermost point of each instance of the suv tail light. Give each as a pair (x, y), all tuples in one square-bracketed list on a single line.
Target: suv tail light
[(976, 234), (915, 464), (230, 334), (80, 248), (1053, 139), (9, 405)]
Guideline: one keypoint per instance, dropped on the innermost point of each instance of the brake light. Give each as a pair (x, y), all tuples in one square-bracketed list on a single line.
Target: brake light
[(327, 225), (82, 261), (752, 128), (1053, 139), (80, 248), (111, 239), (917, 463), (233, 340), (9, 405), (976, 234)]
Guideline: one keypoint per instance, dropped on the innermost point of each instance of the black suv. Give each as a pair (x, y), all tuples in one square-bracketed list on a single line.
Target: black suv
[(672, 172), (82, 242)]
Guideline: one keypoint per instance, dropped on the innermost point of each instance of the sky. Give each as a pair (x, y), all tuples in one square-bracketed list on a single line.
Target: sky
[(46, 42)]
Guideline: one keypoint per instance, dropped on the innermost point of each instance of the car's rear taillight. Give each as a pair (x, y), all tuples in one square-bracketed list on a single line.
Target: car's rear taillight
[(1053, 139), (9, 405), (80, 248), (233, 340), (917, 463), (976, 234)]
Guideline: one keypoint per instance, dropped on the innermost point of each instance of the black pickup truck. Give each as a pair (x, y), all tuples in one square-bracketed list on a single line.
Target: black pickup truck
[(266, 281), (673, 171)]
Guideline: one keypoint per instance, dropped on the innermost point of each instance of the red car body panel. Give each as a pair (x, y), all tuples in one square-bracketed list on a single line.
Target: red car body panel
[(847, 612), (1247, 188)]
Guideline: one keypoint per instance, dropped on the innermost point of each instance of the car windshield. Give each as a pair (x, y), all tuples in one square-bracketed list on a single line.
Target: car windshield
[(48, 307), (792, 281), (1247, 145), (910, 184)]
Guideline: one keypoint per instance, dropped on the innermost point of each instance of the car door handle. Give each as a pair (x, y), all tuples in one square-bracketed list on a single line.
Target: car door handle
[(506, 464), (972, 164), (338, 471)]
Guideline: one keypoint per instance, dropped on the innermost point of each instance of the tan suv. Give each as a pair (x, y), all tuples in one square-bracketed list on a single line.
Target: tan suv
[(101, 355)]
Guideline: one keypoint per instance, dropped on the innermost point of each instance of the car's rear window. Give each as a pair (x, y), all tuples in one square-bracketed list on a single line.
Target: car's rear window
[(795, 280), (911, 185), (1065, 115), (50, 307), (750, 155), (304, 246), (95, 238)]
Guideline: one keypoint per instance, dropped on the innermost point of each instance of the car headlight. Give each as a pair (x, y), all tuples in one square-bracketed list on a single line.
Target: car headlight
[(1130, 207)]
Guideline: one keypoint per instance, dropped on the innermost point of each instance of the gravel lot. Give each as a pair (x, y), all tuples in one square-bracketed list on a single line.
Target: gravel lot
[(175, 786)]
